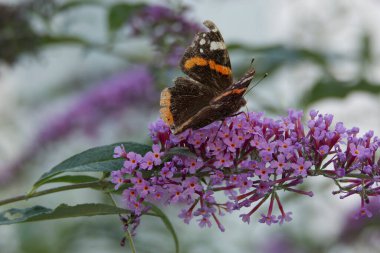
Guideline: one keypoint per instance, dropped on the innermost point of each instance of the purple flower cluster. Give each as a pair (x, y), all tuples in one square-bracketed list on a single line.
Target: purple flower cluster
[(168, 30), (248, 158), (108, 99)]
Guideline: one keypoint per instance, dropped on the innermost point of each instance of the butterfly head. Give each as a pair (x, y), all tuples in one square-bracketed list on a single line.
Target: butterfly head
[(245, 81)]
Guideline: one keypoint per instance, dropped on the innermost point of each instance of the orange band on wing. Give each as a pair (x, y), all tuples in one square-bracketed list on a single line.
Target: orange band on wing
[(165, 102), (219, 68), (165, 98), (234, 91), (199, 61), (195, 61), (166, 115)]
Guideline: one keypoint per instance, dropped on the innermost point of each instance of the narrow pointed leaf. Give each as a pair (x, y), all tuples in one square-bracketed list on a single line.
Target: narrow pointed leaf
[(73, 179), (40, 213), (62, 39), (99, 159), (331, 88)]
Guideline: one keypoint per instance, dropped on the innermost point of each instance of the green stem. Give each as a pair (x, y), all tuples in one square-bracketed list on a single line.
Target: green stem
[(127, 233), (113, 201), (96, 184), (131, 243), (350, 175)]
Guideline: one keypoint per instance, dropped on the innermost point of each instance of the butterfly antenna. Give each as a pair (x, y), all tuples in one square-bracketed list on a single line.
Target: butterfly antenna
[(253, 59), (262, 78)]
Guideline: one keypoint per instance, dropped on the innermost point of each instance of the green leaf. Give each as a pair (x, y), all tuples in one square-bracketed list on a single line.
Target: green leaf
[(78, 3), (167, 223), (330, 88), (179, 151), (99, 159), (73, 179), (366, 49), (119, 14), (62, 39), (40, 213), (274, 56)]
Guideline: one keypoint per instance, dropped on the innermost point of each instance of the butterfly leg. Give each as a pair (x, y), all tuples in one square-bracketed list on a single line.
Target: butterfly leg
[(216, 134), (246, 113), (238, 113)]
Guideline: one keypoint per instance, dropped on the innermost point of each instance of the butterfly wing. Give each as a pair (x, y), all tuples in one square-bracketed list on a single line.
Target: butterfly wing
[(207, 60), (226, 105), (181, 102), (191, 107)]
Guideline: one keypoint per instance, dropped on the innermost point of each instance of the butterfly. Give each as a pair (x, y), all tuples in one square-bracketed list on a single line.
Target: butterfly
[(207, 93)]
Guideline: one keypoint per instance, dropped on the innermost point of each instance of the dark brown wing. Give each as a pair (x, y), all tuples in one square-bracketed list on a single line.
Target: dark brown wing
[(223, 105), (181, 102), (215, 111), (206, 60)]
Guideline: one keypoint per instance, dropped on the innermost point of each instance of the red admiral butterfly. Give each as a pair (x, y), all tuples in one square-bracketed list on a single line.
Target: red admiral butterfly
[(208, 93)]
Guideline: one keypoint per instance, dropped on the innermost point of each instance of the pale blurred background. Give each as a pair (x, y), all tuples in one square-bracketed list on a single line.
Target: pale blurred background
[(60, 85)]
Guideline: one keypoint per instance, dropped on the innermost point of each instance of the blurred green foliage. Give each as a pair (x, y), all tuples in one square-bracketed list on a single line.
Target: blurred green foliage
[(119, 14), (18, 37), (274, 57)]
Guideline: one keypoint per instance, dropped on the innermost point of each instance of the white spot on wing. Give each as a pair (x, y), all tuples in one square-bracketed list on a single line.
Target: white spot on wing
[(217, 45), (201, 50), (204, 35), (202, 42)]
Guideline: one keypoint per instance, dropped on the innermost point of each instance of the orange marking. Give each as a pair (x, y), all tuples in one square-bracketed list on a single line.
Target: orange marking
[(222, 69), (165, 98), (166, 115), (195, 61), (219, 68), (235, 91), (199, 61), (212, 64), (238, 91)]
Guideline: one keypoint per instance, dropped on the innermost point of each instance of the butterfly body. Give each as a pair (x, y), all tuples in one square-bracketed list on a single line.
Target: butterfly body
[(208, 93)]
